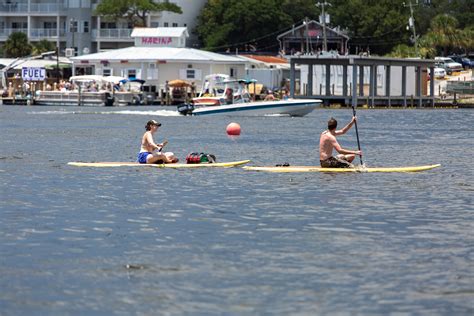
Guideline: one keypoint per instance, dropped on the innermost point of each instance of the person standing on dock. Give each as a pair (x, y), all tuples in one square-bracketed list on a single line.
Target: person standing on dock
[(150, 152), (328, 142)]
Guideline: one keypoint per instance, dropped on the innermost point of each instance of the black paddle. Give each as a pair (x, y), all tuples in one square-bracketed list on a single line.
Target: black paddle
[(357, 134)]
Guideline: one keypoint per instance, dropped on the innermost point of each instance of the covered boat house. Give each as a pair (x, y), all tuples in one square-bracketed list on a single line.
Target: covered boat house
[(307, 39), (356, 80)]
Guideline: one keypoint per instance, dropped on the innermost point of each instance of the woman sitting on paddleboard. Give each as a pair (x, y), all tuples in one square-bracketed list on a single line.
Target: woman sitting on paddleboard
[(328, 142), (151, 152)]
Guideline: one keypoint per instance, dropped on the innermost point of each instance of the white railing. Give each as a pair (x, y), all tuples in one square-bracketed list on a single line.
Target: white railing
[(46, 7), (13, 7), (41, 33), (8, 32), (112, 34)]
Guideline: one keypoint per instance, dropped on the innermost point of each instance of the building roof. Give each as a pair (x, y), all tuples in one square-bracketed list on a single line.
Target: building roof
[(267, 59), (303, 25), (159, 32), (152, 54)]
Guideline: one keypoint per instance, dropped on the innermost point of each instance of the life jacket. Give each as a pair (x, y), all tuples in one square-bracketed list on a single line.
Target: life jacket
[(200, 158)]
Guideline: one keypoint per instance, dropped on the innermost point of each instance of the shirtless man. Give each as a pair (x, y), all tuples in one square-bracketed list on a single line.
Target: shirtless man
[(151, 152), (328, 142)]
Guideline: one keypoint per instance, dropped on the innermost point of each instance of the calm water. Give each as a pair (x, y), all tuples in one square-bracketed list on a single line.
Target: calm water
[(227, 241)]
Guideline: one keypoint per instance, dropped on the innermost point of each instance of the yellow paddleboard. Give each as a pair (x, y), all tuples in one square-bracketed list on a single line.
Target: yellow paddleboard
[(357, 169), (170, 165)]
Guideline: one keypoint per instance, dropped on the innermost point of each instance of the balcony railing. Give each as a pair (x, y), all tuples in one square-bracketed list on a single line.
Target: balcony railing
[(13, 7), (8, 32), (112, 34), (34, 7), (34, 33), (46, 33), (46, 7)]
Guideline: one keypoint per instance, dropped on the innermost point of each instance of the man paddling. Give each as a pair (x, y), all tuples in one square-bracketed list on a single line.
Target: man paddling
[(328, 142), (150, 152)]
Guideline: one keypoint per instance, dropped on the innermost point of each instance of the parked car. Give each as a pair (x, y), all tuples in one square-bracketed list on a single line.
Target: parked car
[(463, 60), (439, 73), (448, 64)]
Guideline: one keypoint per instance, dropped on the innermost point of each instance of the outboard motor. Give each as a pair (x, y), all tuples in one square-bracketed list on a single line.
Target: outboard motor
[(185, 108), (109, 99)]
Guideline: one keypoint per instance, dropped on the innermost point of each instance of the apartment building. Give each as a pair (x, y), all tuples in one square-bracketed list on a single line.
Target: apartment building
[(73, 24)]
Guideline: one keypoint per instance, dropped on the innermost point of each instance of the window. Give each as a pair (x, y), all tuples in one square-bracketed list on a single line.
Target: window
[(19, 25), (233, 72), (132, 73), (49, 25), (107, 72), (74, 3), (108, 25), (85, 26), (190, 74), (175, 24), (166, 24), (152, 72), (154, 24)]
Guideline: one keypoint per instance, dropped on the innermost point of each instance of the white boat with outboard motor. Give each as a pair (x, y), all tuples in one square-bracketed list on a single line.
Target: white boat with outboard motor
[(231, 96)]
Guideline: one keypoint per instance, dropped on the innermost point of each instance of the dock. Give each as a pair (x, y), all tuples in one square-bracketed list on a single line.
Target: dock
[(359, 80)]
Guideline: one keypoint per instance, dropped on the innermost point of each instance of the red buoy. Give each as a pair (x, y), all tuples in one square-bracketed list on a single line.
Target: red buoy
[(233, 129)]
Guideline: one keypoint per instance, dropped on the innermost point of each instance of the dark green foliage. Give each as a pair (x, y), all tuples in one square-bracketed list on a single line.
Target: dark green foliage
[(379, 25), (17, 45), (134, 11)]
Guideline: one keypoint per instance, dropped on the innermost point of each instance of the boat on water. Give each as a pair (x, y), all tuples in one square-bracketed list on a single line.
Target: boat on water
[(93, 90), (222, 95)]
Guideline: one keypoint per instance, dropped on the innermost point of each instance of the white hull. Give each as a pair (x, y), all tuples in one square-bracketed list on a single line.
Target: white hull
[(73, 98), (291, 107)]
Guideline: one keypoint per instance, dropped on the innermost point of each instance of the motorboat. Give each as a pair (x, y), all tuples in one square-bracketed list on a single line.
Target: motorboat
[(231, 96), (211, 91)]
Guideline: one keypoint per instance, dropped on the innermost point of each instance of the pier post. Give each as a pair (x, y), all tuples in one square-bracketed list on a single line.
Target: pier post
[(404, 85), (328, 79), (310, 80), (432, 86), (292, 78), (344, 80), (361, 80), (387, 84), (418, 87)]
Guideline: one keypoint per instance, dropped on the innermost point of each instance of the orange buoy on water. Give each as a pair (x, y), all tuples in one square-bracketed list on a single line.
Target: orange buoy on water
[(233, 129)]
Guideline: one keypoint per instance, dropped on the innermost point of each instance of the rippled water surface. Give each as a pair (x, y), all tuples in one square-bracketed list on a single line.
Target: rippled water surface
[(228, 241)]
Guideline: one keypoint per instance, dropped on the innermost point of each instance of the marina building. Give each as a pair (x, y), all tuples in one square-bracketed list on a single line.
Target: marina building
[(74, 27), (159, 55)]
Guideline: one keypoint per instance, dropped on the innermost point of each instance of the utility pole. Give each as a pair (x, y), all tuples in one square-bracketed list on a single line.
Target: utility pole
[(411, 24), (323, 14)]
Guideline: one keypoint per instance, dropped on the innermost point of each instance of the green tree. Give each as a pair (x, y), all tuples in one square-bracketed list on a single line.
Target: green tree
[(466, 39), (443, 34), (134, 11), (43, 46), (376, 25), (17, 45), (235, 23)]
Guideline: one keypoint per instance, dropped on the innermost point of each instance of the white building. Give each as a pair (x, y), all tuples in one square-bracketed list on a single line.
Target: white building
[(159, 55), (73, 23)]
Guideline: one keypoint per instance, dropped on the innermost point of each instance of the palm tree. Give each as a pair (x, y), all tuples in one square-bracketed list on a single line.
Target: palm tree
[(444, 31), (467, 39), (17, 45), (43, 46)]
